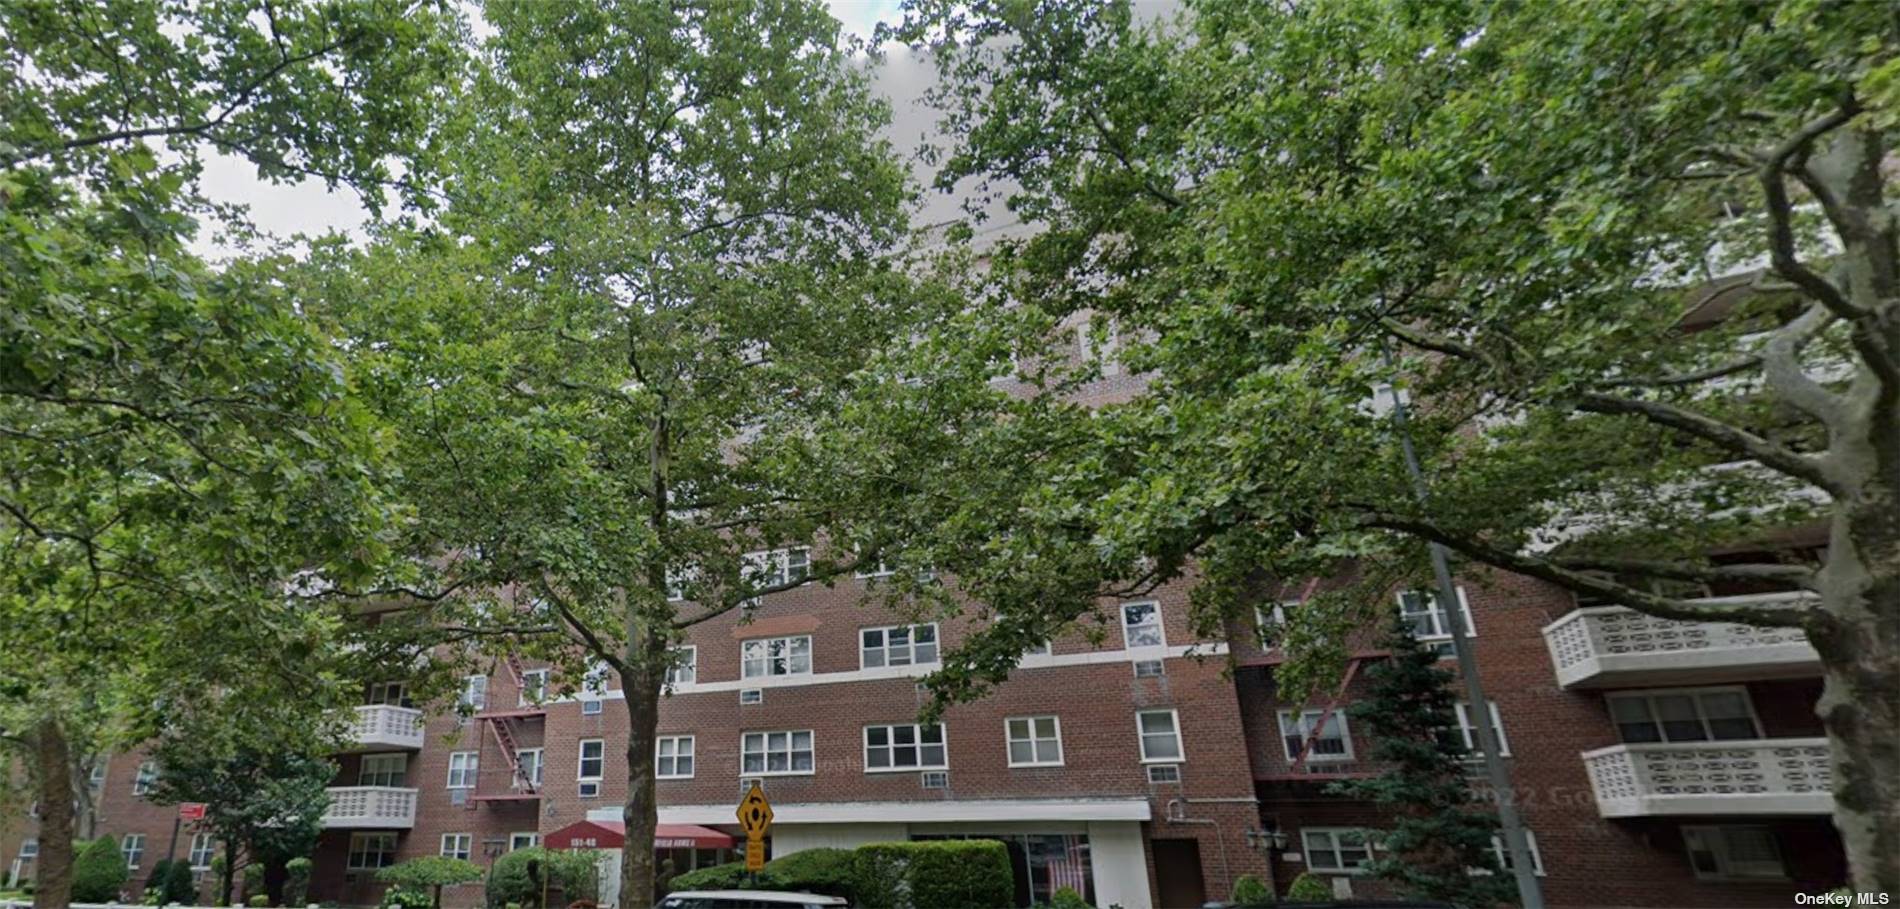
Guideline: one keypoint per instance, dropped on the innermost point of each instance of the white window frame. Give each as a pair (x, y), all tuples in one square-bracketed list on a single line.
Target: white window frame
[(1503, 855), (1335, 849), (534, 688), (1307, 719), (1469, 732), (683, 748), (147, 778), (132, 847), (1044, 649), (1714, 840), (203, 849), (1141, 736), (885, 649), (1160, 628), (29, 849), (458, 846), (470, 763), (684, 671), (766, 659), (1439, 641), (917, 744), (365, 776), (775, 567), (474, 693), (380, 693), (580, 760), (1032, 740), (764, 752), (524, 839), (1648, 697), (540, 765), (97, 776)]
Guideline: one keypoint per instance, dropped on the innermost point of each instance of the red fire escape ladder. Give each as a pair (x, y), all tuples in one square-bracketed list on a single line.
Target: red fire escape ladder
[(1325, 713), (519, 784), (513, 663)]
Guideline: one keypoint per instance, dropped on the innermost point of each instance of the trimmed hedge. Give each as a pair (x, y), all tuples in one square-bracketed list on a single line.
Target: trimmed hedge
[(928, 874), (1311, 887), (99, 873), (572, 872)]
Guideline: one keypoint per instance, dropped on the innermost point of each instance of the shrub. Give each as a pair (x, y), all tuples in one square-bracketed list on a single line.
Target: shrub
[(938, 874), (180, 885), (1067, 898), (429, 874), (1309, 886), (730, 876), (1248, 891), (575, 873), (253, 879), (99, 872), (296, 881), (155, 882), (401, 897), (258, 899), (832, 872)]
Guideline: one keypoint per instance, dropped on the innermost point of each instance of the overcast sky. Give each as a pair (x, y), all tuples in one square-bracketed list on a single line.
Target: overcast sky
[(309, 208)]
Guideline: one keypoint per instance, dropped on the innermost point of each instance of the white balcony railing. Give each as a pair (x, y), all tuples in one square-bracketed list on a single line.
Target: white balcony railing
[(1756, 776), (382, 807), (1610, 646), (387, 726)]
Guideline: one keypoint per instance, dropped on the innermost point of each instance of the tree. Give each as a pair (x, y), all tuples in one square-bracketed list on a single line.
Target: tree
[(174, 442), (601, 366), (1439, 835), (1267, 199), (99, 873), (431, 873)]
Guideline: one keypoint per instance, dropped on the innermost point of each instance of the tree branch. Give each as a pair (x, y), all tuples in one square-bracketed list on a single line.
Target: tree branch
[(1728, 437), (1800, 575)]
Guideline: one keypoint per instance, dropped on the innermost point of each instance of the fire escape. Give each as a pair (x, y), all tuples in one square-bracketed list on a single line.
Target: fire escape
[(504, 726), (1299, 770)]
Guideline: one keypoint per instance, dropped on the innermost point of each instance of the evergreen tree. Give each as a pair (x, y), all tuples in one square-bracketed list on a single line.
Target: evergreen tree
[(1439, 837), (99, 873)]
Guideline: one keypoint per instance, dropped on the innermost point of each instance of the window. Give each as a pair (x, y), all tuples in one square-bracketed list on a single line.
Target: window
[(751, 696), (1034, 741), (1503, 855), (1694, 715), (394, 694), (674, 760), (97, 777), (776, 656), (462, 767), (1468, 731), (900, 645), (775, 752), (1164, 773), (876, 569), (591, 707), (147, 777), (383, 770), (534, 687), (458, 845), (1149, 669), (1042, 649), (1338, 849), (1160, 735), (593, 765), (1420, 610), (685, 668), (528, 766), (523, 840), (936, 779), (29, 849), (133, 845), (777, 567), (1333, 741), (908, 747), (1141, 625), (1270, 616), (202, 848), (1733, 852), (475, 693)]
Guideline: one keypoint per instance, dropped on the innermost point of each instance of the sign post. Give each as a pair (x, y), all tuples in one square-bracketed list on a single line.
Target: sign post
[(755, 816), (187, 811)]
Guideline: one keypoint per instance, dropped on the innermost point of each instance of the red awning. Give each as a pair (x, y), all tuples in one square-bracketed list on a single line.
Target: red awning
[(613, 834)]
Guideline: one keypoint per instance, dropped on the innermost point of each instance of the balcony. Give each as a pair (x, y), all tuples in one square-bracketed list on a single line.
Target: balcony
[(1752, 777), (1614, 647), (370, 807), (380, 727)]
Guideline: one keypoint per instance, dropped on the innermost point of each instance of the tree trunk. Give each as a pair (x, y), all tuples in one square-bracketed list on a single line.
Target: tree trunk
[(637, 866), (229, 874), (53, 880)]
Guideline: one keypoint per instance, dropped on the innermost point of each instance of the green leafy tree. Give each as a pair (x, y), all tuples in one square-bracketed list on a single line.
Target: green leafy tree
[(181, 885), (174, 440), (656, 268), (1281, 208), (430, 874), (1439, 834), (99, 873), (296, 880)]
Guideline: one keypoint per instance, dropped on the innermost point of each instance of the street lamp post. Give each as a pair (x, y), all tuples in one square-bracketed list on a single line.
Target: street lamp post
[(1268, 843)]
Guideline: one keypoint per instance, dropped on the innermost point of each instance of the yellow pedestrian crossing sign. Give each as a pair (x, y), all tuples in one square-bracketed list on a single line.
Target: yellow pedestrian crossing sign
[(755, 816)]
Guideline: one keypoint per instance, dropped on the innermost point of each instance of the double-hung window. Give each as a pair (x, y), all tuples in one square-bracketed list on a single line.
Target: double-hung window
[(1160, 732), (458, 845), (475, 693), (462, 767), (769, 753), (1034, 741), (775, 656), (777, 567), (1503, 855), (1468, 730), (1141, 625), (1693, 715), (1331, 738), (146, 779), (905, 747), (1337, 849), (899, 645), (534, 687), (203, 848), (1734, 852), (133, 846), (391, 694), (528, 760), (1420, 611), (593, 765), (684, 670), (383, 770), (523, 840), (673, 758)]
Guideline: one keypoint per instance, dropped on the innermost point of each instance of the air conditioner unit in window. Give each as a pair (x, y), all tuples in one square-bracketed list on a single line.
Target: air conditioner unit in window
[(1148, 669), (590, 707), (752, 696), (1164, 773), (936, 779), (590, 789)]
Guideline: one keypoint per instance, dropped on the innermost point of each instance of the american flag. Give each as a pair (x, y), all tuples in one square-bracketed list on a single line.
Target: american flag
[(1069, 868)]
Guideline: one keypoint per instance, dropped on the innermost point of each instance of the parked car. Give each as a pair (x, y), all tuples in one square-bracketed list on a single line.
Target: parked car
[(748, 899)]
